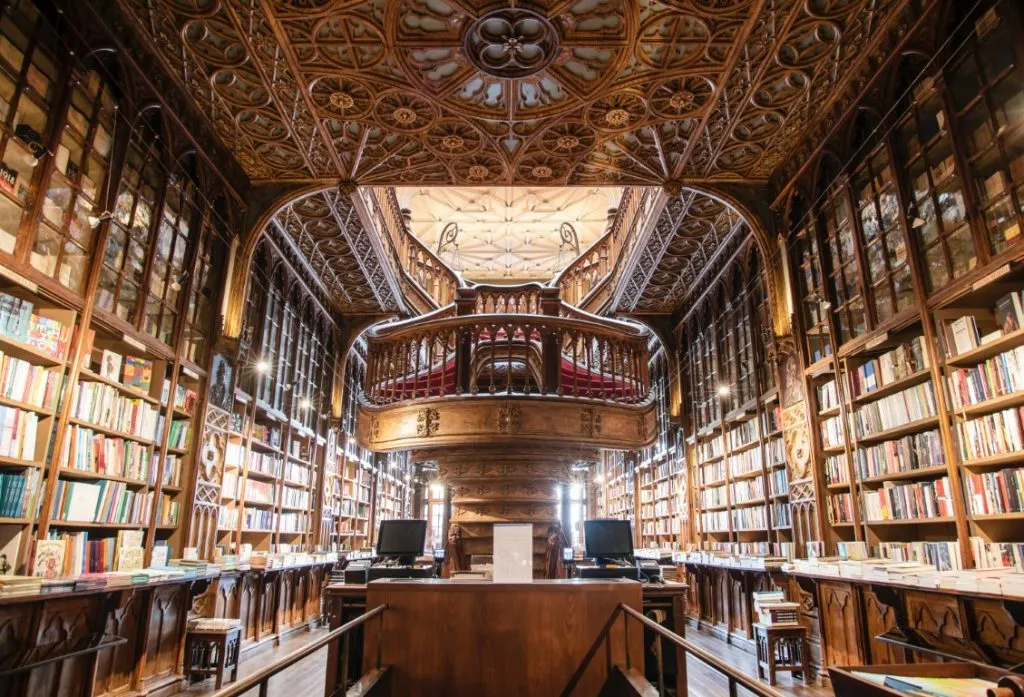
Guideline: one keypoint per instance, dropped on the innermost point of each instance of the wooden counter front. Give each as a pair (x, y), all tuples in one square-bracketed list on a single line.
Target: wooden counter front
[(464, 638)]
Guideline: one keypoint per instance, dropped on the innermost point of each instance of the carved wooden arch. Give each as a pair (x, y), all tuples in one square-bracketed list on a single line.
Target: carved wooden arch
[(763, 234), (238, 284)]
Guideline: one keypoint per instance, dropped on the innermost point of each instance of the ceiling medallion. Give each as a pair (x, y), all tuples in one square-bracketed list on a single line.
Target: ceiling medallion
[(404, 116), (478, 172), (682, 99), (342, 101), (511, 42), (453, 143), (567, 143), (617, 118), (542, 172)]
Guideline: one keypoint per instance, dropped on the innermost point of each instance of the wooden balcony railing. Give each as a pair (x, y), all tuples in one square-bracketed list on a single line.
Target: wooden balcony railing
[(435, 279), (514, 351)]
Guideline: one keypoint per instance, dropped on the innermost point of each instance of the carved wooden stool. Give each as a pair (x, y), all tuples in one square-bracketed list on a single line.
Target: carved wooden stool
[(782, 647), (211, 651)]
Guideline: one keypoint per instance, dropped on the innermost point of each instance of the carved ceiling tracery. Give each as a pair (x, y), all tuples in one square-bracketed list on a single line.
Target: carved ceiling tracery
[(329, 233), (549, 92), (693, 231)]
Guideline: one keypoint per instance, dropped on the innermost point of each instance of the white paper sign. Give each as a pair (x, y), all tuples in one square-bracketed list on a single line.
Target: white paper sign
[(513, 553)]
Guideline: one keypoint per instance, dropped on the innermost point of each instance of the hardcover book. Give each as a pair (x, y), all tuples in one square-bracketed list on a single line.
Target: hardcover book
[(50, 556), (110, 365)]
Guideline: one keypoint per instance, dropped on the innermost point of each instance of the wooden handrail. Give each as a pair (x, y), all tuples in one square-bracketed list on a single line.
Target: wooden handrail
[(734, 676), (262, 676)]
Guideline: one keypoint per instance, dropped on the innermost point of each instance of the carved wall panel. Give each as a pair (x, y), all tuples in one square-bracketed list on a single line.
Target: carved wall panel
[(62, 623), (880, 617), (994, 624), (840, 622), (167, 615), (114, 667)]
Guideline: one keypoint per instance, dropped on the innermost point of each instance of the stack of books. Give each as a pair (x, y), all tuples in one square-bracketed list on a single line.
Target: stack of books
[(11, 586), (213, 624), (778, 613)]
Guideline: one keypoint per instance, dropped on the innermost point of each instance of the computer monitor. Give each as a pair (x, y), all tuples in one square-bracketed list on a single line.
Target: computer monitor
[(401, 538), (608, 539)]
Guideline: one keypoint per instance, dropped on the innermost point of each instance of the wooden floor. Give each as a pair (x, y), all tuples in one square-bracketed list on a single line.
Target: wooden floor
[(305, 678)]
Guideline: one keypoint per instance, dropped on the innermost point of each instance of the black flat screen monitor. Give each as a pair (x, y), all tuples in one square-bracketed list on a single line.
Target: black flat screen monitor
[(607, 539), (401, 538)]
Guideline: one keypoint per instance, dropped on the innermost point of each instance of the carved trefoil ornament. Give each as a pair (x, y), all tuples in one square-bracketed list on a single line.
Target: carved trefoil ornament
[(510, 419), (427, 422), (590, 423)]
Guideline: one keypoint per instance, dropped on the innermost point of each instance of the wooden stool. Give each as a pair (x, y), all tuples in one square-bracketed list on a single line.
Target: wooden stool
[(782, 647), (210, 651)]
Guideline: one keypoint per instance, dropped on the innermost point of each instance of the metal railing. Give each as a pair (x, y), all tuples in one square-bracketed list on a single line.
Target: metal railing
[(261, 678), (735, 677)]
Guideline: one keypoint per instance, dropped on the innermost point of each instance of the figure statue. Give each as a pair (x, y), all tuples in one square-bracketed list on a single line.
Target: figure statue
[(455, 558), (554, 565)]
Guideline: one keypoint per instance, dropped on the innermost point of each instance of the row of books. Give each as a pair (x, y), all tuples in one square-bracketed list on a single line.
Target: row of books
[(713, 496), (900, 362), (746, 461), (88, 451), (665, 526), (171, 469), (828, 395), (832, 432), (771, 420), (990, 493), (710, 449), (990, 435), (131, 371), (742, 434), (78, 553), (750, 518), (168, 511), (104, 406), (912, 404), (715, 472), (775, 451), (917, 451), (836, 471), (258, 519), (781, 515), (747, 490), (294, 498), (997, 555), (18, 492), (271, 435), (778, 482), (962, 334), (18, 433), (101, 502), (265, 463), (260, 492), (296, 473), (911, 501), (715, 521), (943, 555), (840, 507), (25, 382), (996, 377), (178, 438), (293, 522), (663, 489), (19, 322)]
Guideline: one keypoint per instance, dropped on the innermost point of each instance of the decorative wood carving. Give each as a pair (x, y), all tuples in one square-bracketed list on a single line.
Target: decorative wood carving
[(840, 621), (611, 92)]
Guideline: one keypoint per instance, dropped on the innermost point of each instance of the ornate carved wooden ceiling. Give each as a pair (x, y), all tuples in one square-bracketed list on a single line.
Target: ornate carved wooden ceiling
[(550, 92)]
